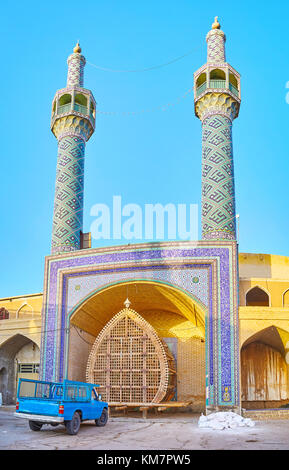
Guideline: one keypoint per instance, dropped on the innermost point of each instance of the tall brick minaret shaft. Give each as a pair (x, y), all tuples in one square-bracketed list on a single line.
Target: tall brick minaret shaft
[(217, 103), (72, 123)]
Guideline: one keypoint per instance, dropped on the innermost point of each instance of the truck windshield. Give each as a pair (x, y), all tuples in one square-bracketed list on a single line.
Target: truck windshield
[(47, 390)]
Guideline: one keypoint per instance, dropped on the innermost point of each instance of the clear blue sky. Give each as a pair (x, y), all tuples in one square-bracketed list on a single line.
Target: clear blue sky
[(148, 158)]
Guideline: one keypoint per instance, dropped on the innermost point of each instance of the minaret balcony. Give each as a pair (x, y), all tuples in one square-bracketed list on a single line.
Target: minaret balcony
[(217, 84), (214, 77), (67, 108), (75, 101)]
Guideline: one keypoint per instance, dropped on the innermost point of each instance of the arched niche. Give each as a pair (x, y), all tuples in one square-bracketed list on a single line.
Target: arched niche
[(264, 371), (201, 79), (24, 311), (64, 99), (233, 80), (257, 297), (217, 74), (286, 299), (18, 349), (80, 99), (4, 313)]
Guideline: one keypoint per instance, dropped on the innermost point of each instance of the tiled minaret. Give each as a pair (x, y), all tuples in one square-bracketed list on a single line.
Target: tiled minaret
[(72, 123), (217, 102)]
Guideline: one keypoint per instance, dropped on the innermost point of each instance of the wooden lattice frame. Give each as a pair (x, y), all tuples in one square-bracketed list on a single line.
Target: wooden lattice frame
[(130, 362)]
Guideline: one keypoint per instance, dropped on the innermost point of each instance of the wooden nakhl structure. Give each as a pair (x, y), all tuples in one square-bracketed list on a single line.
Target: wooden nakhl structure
[(133, 366)]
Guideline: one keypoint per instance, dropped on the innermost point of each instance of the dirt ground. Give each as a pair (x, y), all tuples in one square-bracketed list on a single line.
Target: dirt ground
[(168, 432)]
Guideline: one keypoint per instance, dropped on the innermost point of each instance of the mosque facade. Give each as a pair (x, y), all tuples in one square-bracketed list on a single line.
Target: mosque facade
[(192, 324)]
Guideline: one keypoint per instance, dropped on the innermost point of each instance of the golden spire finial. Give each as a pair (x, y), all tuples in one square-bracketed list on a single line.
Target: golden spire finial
[(127, 303), (77, 48), (216, 24)]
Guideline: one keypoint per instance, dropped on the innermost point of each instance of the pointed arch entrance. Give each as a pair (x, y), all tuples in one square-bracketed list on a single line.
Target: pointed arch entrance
[(74, 313), (164, 335), (264, 369), (19, 357)]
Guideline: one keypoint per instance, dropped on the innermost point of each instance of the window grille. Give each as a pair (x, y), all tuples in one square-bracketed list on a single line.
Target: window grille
[(28, 368)]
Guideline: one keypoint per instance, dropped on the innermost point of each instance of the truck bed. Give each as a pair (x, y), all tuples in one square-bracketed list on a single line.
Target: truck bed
[(39, 406)]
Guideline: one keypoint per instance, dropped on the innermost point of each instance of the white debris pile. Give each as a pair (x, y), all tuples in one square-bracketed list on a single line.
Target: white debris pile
[(224, 420)]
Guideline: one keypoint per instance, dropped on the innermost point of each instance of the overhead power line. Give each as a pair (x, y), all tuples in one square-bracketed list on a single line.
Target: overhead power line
[(163, 107), (146, 69)]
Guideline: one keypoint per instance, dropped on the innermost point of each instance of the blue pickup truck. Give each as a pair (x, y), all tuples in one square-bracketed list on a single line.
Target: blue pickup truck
[(54, 403)]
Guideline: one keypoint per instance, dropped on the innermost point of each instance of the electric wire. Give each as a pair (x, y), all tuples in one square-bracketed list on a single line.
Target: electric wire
[(163, 107), (146, 69)]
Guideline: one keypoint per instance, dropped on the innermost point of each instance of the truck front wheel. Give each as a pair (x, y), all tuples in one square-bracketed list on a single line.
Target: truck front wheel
[(103, 418), (35, 425), (72, 426)]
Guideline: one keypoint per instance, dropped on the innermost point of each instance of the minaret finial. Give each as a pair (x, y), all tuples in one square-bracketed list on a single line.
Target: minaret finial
[(127, 303), (77, 48), (216, 24)]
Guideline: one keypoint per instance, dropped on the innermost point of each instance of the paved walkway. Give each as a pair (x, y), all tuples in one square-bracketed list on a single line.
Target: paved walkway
[(178, 432)]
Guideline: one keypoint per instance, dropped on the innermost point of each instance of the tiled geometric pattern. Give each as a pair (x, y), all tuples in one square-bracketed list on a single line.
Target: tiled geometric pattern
[(216, 47), (68, 202), (218, 192), (76, 63), (219, 258), (77, 290)]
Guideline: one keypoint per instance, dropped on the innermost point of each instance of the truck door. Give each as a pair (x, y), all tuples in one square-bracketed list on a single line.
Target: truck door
[(96, 405)]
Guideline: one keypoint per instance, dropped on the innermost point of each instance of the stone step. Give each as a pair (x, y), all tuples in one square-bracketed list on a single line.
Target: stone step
[(266, 414)]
